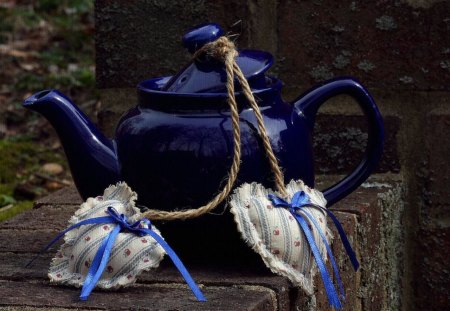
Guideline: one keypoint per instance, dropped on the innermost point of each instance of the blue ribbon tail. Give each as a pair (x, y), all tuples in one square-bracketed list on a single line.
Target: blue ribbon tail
[(94, 266), (101, 258), (333, 297), (301, 199), (177, 262), (97, 220), (99, 263), (330, 253), (350, 252)]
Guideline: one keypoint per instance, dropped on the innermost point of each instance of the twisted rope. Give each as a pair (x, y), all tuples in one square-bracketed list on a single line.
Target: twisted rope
[(276, 170), (224, 50)]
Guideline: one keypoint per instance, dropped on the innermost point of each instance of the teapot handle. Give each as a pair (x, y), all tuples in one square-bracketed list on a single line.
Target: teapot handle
[(307, 106)]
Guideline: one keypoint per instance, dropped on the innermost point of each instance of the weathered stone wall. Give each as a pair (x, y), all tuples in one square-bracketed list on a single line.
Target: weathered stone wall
[(400, 50)]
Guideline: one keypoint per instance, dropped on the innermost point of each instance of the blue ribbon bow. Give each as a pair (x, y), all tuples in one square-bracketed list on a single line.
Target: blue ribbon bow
[(300, 200), (102, 256)]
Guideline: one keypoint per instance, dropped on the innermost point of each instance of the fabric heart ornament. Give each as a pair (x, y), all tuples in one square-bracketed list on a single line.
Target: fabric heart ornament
[(108, 244), (291, 236), (130, 255), (275, 234)]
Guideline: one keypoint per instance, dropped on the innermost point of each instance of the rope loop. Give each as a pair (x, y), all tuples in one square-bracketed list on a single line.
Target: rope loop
[(224, 50), (219, 49)]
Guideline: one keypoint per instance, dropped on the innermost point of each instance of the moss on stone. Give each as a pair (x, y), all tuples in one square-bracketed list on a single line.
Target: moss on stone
[(14, 209), (20, 158)]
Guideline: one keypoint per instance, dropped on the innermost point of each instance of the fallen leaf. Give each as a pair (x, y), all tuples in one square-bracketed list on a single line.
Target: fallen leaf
[(52, 168), (16, 53), (52, 185), (29, 66)]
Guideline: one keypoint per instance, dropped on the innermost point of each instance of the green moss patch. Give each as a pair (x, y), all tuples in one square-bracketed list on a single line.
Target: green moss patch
[(11, 210), (19, 160)]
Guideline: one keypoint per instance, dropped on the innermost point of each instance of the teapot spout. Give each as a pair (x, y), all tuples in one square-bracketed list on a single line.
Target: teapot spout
[(92, 157)]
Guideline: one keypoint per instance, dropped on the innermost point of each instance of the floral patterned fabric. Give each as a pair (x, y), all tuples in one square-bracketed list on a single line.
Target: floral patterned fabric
[(275, 234), (130, 255)]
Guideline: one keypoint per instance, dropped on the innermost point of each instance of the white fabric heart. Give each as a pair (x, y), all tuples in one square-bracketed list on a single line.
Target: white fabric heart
[(130, 255), (275, 234)]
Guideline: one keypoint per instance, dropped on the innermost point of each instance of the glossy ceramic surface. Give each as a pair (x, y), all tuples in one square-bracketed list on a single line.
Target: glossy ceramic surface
[(175, 147), (207, 75)]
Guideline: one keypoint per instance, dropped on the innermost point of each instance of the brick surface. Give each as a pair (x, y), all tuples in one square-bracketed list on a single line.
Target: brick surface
[(431, 263), (433, 274), (142, 297), (340, 143), (437, 166), (140, 39), (44, 218), (250, 285), (23, 241), (350, 278), (212, 275), (379, 210), (65, 196), (137, 40), (374, 41)]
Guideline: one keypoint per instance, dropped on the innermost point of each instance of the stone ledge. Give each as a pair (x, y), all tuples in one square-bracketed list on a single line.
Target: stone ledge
[(370, 217), (139, 296)]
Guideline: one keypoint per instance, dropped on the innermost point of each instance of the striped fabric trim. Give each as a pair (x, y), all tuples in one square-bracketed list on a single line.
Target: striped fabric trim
[(275, 234), (130, 254)]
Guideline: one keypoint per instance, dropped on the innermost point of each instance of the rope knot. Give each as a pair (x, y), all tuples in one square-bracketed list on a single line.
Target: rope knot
[(122, 221), (220, 49)]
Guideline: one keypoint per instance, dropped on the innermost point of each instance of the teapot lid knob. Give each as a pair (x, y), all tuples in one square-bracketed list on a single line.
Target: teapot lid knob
[(208, 76), (198, 36)]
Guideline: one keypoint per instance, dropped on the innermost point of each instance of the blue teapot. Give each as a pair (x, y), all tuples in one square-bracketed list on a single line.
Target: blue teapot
[(175, 147)]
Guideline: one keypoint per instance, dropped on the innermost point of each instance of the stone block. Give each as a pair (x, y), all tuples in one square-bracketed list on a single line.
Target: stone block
[(380, 239), (377, 42), (431, 270), (65, 196), (115, 102), (140, 39), (350, 278), (170, 296), (136, 40), (371, 218), (432, 276), (340, 143), (436, 168)]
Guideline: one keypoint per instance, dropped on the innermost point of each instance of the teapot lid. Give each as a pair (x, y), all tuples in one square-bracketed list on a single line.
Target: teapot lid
[(208, 75)]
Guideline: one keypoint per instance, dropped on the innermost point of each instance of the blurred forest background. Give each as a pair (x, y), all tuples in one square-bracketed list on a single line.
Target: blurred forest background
[(43, 44)]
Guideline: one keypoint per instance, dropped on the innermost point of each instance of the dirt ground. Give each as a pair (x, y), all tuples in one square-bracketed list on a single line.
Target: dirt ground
[(43, 44)]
